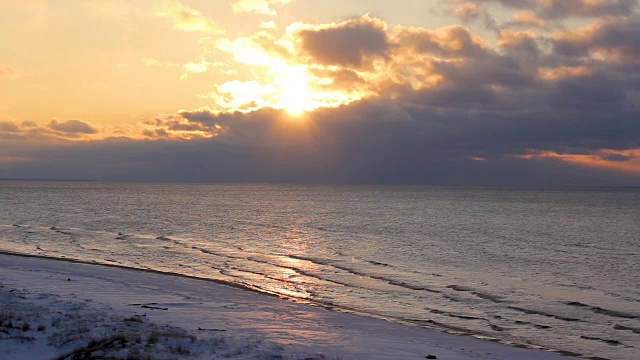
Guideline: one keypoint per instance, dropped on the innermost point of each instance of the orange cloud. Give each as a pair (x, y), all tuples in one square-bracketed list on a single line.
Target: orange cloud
[(626, 160), (290, 79), (186, 125), (327, 65), (563, 72), (454, 41), (477, 158), (188, 19), (468, 11), (14, 159), (528, 18), (612, 39), (258, 6)]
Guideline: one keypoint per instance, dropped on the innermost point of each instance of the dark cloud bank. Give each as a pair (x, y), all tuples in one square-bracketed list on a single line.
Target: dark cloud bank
[(570, 93), (368, 142)]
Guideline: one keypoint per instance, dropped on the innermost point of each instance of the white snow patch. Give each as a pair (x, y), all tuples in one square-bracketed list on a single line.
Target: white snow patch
[(73, 308)]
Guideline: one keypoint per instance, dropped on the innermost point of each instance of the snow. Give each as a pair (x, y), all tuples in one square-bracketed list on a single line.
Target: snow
[(116, 312)]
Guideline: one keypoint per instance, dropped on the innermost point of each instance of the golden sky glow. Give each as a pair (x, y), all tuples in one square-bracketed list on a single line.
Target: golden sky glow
[(120, 62), (560, 78)]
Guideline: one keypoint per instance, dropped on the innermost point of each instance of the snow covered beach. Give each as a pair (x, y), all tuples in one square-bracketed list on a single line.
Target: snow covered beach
[(58, 307)]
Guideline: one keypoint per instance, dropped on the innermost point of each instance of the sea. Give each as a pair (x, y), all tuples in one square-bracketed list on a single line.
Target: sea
[(557, 269)]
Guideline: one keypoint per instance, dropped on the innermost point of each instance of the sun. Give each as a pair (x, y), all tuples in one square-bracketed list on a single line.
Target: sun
[(292, 88), (295, 95)]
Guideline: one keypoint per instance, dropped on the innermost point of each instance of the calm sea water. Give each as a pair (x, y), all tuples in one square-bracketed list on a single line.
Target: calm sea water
[(553, 268)]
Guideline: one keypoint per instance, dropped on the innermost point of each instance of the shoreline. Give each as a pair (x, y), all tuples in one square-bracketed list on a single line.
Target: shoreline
[(338, 316)]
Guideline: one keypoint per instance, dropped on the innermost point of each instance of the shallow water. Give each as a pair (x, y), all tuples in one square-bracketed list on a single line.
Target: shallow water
[(553, 268)]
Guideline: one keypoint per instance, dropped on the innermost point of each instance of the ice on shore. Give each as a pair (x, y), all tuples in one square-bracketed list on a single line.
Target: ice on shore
[(52, 309), (46, 326)]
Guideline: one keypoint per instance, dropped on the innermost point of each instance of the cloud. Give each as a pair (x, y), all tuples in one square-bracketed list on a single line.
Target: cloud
[(394, 104), (334, 64), (188, 19), (196, 67), (526, 19), (268, 25), (185, 124), (151, 61), (449, 42), (292, 78), (616, 156), (366, 142), (469, 12), (351, 43), (620, 161), (262, 7), (541, 14), (564, 8), (72, 127), (520, 43), (14, 159), (554, 9), (55, 131), (28, 124), (443, 98), (9, 127), (200, 66), (617, 38), (25, 130)]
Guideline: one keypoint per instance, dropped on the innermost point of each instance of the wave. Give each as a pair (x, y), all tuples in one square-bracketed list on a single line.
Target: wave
[(390, 281), (627, 328), (545, 314), (258, 269), (603, 311), (481, 295), (537, 326), (606, 341)]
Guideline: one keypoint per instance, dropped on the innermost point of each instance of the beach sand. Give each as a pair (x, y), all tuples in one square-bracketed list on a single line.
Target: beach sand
[(128, 313)]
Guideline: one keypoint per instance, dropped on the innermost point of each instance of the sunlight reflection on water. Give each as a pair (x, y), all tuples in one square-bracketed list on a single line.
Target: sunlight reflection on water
[(519, 265)]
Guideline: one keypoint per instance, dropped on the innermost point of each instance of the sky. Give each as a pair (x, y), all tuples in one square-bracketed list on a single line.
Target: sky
[(457, 92)]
